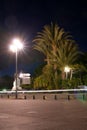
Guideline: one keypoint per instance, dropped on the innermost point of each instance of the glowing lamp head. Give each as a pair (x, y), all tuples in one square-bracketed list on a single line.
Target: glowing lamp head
[(17, 45), (66, 69)]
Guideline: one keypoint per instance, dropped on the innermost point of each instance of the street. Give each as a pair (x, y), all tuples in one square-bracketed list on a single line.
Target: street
[(43, 114)]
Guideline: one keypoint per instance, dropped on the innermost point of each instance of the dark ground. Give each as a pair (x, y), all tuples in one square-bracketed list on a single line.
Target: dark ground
[(43, 115)]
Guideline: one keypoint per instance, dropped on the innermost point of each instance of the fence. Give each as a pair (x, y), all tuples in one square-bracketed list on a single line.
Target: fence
[(68, 94)]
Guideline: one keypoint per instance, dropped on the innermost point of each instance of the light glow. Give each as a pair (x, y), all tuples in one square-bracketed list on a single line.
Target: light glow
[(67, 69), (17, 45), (22, 75)]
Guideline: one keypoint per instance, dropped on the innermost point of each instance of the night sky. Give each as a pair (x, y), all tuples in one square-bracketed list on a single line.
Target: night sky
[(24, 18)]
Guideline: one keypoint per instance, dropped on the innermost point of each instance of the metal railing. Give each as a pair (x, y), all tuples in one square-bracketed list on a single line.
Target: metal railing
[(44, 91), (46, 94)]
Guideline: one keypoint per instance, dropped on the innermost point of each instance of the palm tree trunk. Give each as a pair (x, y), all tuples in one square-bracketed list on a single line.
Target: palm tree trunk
[(70, 74)]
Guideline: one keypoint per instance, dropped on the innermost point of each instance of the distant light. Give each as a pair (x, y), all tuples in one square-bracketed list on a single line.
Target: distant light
[(22, 75), (67, 69)]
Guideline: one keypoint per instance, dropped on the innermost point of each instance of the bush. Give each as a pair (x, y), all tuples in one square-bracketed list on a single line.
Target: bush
[(71, 84)]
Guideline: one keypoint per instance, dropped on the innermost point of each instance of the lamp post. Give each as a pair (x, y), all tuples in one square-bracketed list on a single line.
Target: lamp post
[(67, 69), (15, 47)]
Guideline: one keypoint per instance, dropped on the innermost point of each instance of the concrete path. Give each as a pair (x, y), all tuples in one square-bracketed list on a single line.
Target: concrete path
[(43, 115)]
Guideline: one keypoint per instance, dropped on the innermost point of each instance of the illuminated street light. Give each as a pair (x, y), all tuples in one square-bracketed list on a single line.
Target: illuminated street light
[(66, 70), (15, 47)]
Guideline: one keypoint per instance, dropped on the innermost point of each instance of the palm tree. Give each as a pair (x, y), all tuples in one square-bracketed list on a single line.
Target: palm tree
[(67, 54), (58, 47), (48, 40)]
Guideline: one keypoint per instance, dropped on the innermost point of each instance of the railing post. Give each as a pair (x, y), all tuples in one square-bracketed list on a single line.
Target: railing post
[(25, 97), (33, 96), (55, 97), (8, 96), (44, 98), (68, 97)]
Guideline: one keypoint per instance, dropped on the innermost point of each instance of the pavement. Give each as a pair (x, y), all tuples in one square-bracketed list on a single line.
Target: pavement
[(19, 114)]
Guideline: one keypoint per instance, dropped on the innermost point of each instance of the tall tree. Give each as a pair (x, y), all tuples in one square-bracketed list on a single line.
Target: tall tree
[(58, 46), (48, 40), (67, 54)]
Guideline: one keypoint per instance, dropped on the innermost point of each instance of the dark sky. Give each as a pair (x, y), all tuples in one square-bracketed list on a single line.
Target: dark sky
[(24, 18)]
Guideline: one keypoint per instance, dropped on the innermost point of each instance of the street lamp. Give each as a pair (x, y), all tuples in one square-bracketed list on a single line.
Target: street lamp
[(15, 47), (66, 70)]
